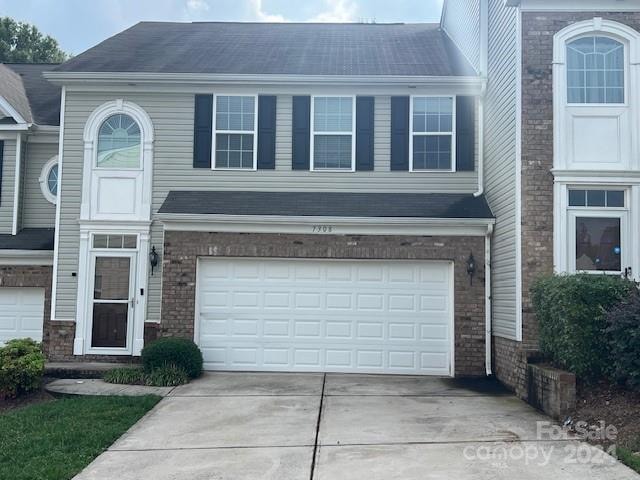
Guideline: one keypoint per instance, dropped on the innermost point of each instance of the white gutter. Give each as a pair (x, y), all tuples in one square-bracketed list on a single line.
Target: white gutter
[(16, 185), (26, 257), (484, 67), (487, 304), (56, 236), (258, 79)]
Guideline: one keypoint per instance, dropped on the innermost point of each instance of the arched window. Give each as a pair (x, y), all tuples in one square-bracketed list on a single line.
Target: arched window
[(49, 180), (595, 70), (119, 143)]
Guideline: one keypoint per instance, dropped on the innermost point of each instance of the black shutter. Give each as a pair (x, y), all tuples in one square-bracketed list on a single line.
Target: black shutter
[(364, 132), (301, 132), (202, 131), (1, 164), (465, 133), (400, 133), (267, 132)]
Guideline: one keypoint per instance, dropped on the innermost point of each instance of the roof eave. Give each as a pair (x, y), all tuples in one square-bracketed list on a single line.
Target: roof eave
[(70, 78)]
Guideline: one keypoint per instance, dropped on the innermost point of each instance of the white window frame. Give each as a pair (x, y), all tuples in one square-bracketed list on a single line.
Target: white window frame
[(44, 180), (235, 132), (140, 166), (625, 92), (352, 133), (622, 213), (433, 134)]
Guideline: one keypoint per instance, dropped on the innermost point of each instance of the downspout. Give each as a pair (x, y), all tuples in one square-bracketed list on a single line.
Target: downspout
[(487, 293), (484, 67)]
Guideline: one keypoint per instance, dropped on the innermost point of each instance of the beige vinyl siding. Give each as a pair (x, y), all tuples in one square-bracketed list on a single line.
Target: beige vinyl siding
[(8, 183), (500, 162), (461, 22), (172, 117), (37, 211)]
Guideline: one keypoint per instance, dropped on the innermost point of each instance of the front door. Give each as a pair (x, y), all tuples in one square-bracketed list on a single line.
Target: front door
[(113, 301)]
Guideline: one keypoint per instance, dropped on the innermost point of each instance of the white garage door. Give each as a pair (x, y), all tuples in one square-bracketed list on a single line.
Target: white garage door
[(21, 313), (323, 315)]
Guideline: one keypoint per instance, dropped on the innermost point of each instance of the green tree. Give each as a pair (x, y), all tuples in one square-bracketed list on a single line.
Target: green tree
[(24, 43)]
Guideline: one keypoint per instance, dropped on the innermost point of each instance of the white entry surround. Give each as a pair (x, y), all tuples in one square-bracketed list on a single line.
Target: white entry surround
[(367, 316), (596, 150), (116, 202)]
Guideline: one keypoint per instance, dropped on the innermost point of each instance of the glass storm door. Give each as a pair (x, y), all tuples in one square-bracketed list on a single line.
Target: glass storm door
[(112, 301)]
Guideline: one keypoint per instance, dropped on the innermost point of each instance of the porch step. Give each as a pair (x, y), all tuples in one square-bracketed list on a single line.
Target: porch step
[(82, 369)]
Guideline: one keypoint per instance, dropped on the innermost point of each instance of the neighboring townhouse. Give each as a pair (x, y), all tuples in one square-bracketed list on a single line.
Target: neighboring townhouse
[(294, 197), (29, 119), (561, 150)]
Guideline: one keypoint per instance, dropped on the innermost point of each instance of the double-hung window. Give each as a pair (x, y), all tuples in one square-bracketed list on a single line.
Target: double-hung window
[(235, 125), (598, 229), (432, 145), (332, 133)]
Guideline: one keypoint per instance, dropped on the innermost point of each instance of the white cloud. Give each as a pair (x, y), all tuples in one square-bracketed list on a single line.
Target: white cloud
[(197, 5), (261, 15), (337, 11)]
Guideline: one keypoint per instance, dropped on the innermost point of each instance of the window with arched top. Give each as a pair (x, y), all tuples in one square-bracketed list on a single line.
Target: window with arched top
[(119, 143), (595, 71)]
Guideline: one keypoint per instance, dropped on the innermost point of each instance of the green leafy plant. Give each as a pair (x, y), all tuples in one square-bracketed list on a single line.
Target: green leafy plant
[(125, 376), (571, 311), (180, 352), (622, 337), (21, 367), (167, 376)]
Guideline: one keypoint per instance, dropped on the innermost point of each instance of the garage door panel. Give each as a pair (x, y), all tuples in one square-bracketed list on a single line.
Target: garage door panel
[(21, 313), (316, 315)]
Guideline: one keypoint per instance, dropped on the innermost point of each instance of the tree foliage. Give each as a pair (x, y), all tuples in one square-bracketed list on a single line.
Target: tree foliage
[(24, 43)]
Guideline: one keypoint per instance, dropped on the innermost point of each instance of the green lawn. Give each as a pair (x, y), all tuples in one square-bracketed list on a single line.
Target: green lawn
[(57, 439), (627, 457)]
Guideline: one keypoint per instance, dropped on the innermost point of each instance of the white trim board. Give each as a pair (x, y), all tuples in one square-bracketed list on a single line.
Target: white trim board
[(56, 237), (326, 225), (26, 257), (577, 6)]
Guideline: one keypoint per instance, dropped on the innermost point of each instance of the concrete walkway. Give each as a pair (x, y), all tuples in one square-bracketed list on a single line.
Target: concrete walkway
[(344, 427), (72, 386)]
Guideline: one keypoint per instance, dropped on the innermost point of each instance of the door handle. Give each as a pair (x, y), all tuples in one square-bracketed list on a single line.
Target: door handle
[(628, 273), (132, 302)]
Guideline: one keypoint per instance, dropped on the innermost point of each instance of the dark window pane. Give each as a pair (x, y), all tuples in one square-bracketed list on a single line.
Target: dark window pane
[(109, 327), (615, 198), (332, 151), (595, 198), (111, 278), (598, 244), (577, 198)]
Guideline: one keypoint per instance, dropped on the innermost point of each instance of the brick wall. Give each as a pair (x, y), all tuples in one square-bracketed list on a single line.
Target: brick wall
[(182, 249), (538, 30)]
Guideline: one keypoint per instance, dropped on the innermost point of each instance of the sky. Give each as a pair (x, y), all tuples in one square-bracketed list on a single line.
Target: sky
[(80, 24)]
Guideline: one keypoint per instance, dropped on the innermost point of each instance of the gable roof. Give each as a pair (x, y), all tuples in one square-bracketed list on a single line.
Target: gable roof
[(35, 98), (276, 49)]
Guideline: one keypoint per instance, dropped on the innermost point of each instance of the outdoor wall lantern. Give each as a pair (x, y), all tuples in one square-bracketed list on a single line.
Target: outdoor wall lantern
[(471, 267), (153, 258)]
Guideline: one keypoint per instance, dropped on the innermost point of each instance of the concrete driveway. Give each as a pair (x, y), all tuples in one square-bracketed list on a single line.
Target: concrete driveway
[(333, 427)]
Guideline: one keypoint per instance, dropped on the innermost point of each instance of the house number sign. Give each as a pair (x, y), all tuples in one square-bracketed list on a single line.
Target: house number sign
[(322, 229)]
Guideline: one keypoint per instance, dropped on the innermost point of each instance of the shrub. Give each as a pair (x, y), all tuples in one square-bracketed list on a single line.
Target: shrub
[(21, 367), (623, 341), (571, 314), (180, 352), (167, 376), (125, 376)]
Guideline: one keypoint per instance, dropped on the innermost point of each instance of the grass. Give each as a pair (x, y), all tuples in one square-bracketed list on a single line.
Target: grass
[(627, 457), (56, 440), (169, 375)]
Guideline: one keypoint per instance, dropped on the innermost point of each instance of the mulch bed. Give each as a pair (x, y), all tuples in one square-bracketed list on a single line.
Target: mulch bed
[(24, 400), (612, 405)]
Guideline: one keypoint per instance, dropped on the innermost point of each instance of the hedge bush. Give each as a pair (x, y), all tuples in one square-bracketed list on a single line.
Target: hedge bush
[(623, 341), (125, 376), (571, 311), (167, 376), (179, 352), (21, 367)]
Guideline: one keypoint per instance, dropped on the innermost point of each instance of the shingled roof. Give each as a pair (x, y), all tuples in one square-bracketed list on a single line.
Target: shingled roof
[(29, 93), (276, 49)]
